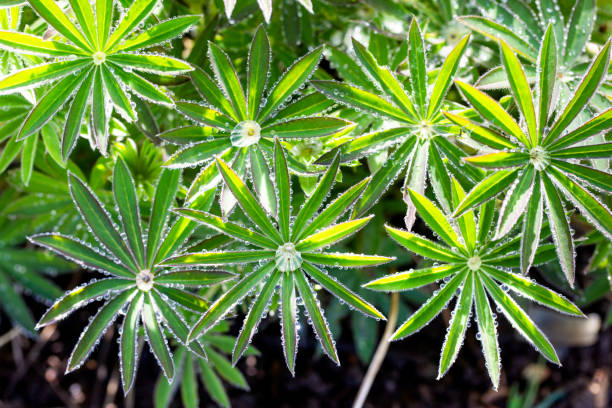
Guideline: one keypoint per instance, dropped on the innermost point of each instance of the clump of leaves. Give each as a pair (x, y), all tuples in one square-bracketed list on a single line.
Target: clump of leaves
[(420, 138), (522, 27), (243, 126), (473, 265), (24, 270), (538, 158), (95, 66), (212, 372), (137, 286), (288, 255), (264, 5)]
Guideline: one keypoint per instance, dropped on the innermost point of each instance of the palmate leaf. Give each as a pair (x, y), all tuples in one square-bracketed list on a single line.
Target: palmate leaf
[(288, 256), (148, 292), (473, 269), (108, 56), (540, 166), (420, 121)]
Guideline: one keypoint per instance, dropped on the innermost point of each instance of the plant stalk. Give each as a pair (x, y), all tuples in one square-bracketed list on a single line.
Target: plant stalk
[(379, 356)]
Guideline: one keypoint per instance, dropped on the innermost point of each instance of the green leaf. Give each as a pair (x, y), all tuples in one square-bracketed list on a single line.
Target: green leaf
[(165, 192), (218, 258), (84, 14), (31, 77), (384, 176), (422, 246), (189, 385), (283, 184), (416, 64), (129, 342), (213, 384), (317, 320), (583, 93), (345, 260), (104, 17), (81, 253), (412, 279), (14, 306), (226, 301), (532, 225), (204, 115), (496, 31), (226, 370), (124, 192), (589, 206), (443, 80), (486, 189), (305, 128), (435, 219), (27, 159), (467, 222), (31, 44), (519, 319), (288, 321), (331, 235), (431, 308), (520, 90), (57, 19), (159, 33), (562, 235), (194, 277), (315, 200), (457, 327), (141, 87), (254, 316), (209, 91), (156, 338), (598, 124), (137, 13), (95, 215), (487, 331), (291, 81), (547, 73), (75, 116), (579, 28), (517, 199), (100, 112), (360, 99), (481, 134), (157, 64), (342, 292), (528, 288), (229, 228), (248, 202), (197, 153), (228, 79), (438, 178), (95, 329), (492, 111), (592, 151), (259, 66), (262, 181), (81, 296), (594, 177), (387, 81)]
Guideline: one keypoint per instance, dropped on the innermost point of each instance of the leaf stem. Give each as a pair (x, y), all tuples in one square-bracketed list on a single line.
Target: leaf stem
[(380, 354)]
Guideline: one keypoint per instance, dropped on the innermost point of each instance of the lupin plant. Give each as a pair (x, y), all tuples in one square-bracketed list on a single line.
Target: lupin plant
[(523, 28), (473, 265), (160, 144), (420, 131), (136, 286), (537, 159), (243, 126), (289, 254), (93, 67)]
